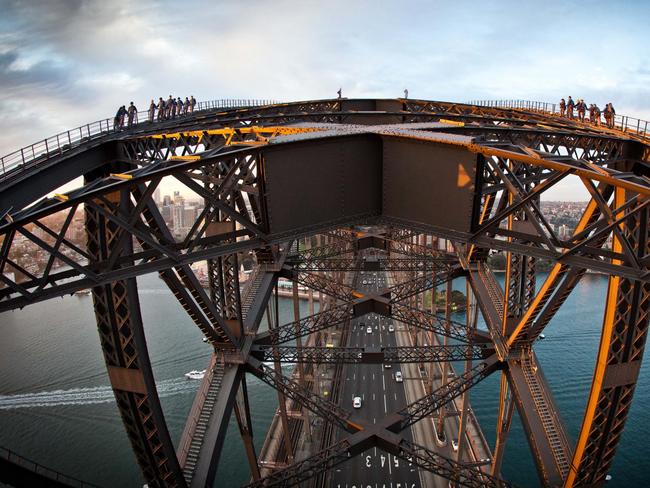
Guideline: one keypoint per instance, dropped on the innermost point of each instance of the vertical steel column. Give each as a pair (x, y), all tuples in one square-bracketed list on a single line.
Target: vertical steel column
[(301, 368), (443, 381), (519, 287), (119, 322), (504, 420), (310, 292), (243, 414), (274, 322), (423, 305), (470, 319), (432, 335)]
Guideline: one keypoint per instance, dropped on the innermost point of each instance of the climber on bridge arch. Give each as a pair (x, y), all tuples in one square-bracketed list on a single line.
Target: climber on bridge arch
[(569, 105), (186, 106), (609, 115), (152, 110), (133, 114), (168, 107), (118, 121), (596, 115), (562, 107), (192, 103), (161, 109), (582, 108)]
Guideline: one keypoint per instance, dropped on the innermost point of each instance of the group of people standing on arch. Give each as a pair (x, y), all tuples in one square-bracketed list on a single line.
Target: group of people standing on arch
[(171, 108), (567, 108), (167, 109)]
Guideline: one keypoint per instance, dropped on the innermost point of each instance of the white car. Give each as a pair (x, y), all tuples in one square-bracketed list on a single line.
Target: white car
[(454, 444), (388, 365), (369, 330), (398, 376), (391, 328), (356, 402)]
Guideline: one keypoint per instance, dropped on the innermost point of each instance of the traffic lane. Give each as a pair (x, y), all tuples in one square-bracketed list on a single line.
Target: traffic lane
[(394, 398), (451, 424), (374, 467)]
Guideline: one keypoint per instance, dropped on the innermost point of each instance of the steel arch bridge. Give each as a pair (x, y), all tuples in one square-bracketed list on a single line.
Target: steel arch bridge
[(381, 184)]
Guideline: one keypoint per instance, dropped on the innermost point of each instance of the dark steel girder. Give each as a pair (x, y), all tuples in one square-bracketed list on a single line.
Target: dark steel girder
[(384, 265), (323, 284), (329, 317), (121, 332), (365, 355), (304, 396), (530, 243), (427, 405), (427, 321), (407, 289), (355, 444)]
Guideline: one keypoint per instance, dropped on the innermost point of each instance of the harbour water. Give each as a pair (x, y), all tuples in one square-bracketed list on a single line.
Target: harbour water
[(56, 407)]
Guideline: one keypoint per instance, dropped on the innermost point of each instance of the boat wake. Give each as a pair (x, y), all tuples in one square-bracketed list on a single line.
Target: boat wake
[(86, 396)]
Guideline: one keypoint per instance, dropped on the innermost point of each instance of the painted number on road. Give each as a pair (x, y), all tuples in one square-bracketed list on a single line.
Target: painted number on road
[(368, 464), (383, 460)]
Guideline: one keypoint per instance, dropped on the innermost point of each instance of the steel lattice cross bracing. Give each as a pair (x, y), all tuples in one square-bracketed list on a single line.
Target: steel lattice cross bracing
[(319, 194)]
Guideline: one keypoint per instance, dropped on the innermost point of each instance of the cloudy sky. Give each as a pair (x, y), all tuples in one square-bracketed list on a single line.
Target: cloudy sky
[(64, 63)]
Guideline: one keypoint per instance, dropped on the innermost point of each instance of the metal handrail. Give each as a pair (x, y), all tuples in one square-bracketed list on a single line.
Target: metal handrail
[(34, 154), (629, 125), (23, 462)]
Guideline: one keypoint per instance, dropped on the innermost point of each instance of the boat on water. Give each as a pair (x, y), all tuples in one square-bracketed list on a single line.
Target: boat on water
[(195, 374), (542, 336), (205, 339)]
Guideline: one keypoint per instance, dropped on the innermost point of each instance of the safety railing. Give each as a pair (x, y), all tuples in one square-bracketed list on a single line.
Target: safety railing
[(216, 104), (631, 125), (34, 154), (51, 474)]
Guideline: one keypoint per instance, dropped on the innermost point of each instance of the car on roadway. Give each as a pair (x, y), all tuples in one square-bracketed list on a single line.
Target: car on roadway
[(398, 376), (454, 444), (387, 365), (391, 328), (356, 402), (369, 330)]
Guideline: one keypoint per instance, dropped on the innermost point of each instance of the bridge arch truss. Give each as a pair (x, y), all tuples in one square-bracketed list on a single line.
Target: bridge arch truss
[(274, 176)]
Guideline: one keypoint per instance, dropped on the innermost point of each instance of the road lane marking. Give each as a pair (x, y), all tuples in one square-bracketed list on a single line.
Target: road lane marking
[(385, 405)]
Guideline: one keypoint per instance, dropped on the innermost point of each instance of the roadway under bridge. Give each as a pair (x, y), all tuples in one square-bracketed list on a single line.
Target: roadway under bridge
[(368, 207)]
